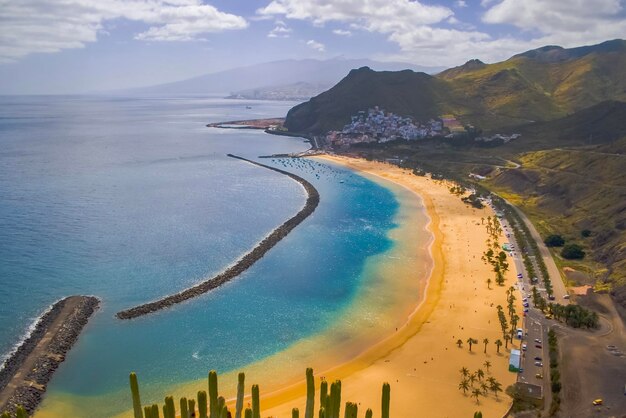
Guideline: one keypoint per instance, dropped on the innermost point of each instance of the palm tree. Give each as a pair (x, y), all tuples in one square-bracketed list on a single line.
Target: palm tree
[(487, 365), (485, 341), (459, 342), (464, 372), (495, 386), (480, 374), (472, 378), (507, 338), (498, 344), (484, 388), (470, 341), (464, 386), (476, 393)]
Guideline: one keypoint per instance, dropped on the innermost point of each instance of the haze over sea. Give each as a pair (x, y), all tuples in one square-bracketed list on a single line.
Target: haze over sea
[(131, 199)]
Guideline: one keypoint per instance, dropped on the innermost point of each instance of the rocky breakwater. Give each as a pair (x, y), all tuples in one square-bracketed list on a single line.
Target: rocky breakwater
[(244, 262), (25, 374)]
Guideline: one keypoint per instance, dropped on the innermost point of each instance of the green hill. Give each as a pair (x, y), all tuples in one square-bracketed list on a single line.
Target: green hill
[(409, 93), (538, 85)]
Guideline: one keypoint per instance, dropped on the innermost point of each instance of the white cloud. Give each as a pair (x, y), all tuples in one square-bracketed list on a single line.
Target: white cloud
[(419, 30), (342, 32), (319, 47), (374, 15), (280, 30), (30, 26), (570, 23)]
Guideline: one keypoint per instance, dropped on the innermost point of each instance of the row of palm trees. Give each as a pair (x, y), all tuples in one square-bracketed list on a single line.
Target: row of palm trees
[(471, 341), (478, 383)]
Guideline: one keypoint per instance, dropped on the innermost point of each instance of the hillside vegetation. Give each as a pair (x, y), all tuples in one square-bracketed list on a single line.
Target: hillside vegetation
[(539, 85)]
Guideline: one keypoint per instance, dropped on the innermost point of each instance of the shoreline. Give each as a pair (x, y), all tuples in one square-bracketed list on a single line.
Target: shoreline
[(243, 263), (395, 358), (28, 369)]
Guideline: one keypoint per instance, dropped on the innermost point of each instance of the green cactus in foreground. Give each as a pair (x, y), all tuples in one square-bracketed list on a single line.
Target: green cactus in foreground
[(155, 411), (241, 379), (221, 404), (20, 412), (368, 413), (478, 414), (323, 392), (248, 413), (134, 389), (184, 409), (256, 404), (171, 409), (310, 394), (386, 400), (351, 410), (191, 407), (295, 413), (147, 411), (224, 412), (322, 412), (202, 404), (335, 400), (213, 406)]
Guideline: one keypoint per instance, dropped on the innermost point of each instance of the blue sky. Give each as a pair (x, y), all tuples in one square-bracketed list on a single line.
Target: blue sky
[(68, 46)]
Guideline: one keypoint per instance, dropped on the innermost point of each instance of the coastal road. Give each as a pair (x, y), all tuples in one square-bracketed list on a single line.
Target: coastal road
[(558, 285)]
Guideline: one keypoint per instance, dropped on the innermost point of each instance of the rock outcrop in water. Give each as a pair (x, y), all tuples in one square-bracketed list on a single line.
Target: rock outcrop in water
[(244, 262)]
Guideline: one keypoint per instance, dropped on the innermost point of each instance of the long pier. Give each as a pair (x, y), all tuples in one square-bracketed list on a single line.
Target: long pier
[(244, 262)]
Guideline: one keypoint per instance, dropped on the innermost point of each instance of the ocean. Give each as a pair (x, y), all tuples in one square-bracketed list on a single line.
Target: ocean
[(130, 199)]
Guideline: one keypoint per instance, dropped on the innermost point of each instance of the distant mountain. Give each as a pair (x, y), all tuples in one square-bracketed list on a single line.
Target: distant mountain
[(275, 73), (538, 85), (293, 92)]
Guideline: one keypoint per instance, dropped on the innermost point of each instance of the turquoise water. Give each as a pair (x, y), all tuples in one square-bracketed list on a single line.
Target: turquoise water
[(131, 199)]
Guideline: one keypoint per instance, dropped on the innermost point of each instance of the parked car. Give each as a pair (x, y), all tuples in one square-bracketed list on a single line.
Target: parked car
[(537, 358), (538, 346), (597, 402), (539, 376), (524, 347), (519, 275), (537, 340), (538, 364)]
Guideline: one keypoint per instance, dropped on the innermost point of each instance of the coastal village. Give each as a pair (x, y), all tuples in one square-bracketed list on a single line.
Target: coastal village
[(377, 125)]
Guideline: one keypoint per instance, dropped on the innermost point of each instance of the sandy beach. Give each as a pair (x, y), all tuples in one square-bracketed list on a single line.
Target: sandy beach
[(422, 361), (403, 325)]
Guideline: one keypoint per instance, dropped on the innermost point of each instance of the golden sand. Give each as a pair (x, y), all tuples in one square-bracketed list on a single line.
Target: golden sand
[(422, 361), (415, 347)]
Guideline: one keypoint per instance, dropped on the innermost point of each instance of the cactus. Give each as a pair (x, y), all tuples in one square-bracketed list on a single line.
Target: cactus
[(240, 390), (147, 411), (134, 388), (171, 409), (155, 411), (248, 413), (295, 413), (322, 412), (213, 408), (20, 412), (224, 412), (5, 415), (368, 413), (323, 392), (335, 400), (310, 394), (202, 404), (221, 404), (191, 407), (165, 414), (386, 400), (184, 411), (351, 410), (256, 404)]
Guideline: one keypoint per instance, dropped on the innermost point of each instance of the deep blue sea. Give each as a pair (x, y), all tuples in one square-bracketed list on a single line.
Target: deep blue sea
[(130, 199)]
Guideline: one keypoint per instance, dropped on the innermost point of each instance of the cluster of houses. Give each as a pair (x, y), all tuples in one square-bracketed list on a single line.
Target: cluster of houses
[(376, 125)]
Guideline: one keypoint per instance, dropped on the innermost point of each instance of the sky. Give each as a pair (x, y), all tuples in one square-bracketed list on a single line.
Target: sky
[(73, 46)]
